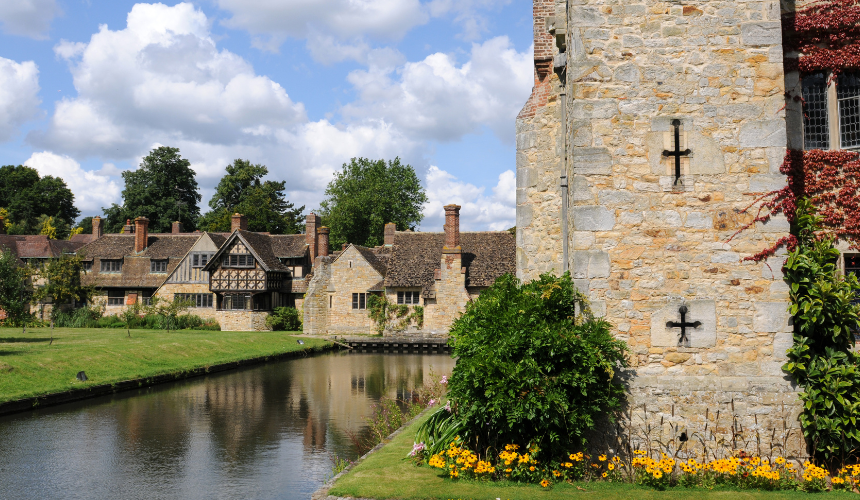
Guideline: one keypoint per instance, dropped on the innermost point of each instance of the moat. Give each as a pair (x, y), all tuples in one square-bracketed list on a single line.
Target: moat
[(262, 432)]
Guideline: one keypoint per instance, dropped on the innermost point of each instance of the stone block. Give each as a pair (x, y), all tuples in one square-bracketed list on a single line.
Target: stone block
[(699, 220), (590, 264), (782, 342), (776, 224), (705, 335), (725, 258), (762, 33), (526, 177), (598, 308), (524, 216), (594, 109), (763, 134), (772, 268), (592, 161), (615, 197), (581, 190), (663, 218), (765, 183), (627, 73), (771, 317), (583, 16), (592, 218)]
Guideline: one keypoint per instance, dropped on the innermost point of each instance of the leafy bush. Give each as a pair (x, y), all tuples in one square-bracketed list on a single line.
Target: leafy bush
[(528, 372), (821, 359), (390, 316), (91, 317), (285, 319), (84, 317)]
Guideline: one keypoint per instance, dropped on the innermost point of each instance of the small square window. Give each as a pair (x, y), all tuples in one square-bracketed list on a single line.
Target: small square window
[(111, 266), (158, 266)]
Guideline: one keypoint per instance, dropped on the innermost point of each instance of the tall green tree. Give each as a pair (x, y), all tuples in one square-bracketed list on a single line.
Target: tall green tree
[(59, 281), (243, 191), (163, 190), (15, 294), (26, 196), (366, 195)]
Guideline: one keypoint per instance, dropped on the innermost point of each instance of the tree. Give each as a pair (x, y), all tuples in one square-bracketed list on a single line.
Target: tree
[(366, 195), (27, 197), (60, 281), (85, 226), (263, 202), (163, 190), (169, 310), (15, 295)]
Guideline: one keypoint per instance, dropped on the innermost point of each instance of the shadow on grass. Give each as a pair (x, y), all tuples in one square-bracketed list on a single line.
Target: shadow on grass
[(16, 340)]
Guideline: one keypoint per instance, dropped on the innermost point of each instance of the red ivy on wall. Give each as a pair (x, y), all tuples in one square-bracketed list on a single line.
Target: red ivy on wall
[(827, 38)]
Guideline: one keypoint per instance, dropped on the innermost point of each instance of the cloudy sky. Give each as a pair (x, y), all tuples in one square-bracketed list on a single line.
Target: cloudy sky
[(89, 87)]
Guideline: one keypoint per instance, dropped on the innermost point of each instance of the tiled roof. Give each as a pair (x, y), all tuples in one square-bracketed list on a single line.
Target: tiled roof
[(376, 261), (83, 238), (135, 273), (136, 267), (262, 246), (36, 246), (287, 246), (416, 256)]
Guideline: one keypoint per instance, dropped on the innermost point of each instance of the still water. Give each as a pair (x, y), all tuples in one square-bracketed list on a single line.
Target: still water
[(262, 432)]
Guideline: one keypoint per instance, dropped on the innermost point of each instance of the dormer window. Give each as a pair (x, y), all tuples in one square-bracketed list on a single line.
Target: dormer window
[(237, 260), (158, 266), (111, 266), (200, 259)]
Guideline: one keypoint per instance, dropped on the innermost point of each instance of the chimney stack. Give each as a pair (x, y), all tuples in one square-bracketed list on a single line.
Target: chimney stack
[(323, 241), (2, 225), (238, 221), (177, 228), (141, 234), (128, 228), (452, 227), (98, 227), (390, 229), (312, 222)]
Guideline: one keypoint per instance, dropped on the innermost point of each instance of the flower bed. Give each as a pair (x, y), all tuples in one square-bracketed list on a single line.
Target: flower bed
[(740, 471)]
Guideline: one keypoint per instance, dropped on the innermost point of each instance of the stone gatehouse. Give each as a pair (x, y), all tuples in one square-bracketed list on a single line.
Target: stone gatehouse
[(651, 127)]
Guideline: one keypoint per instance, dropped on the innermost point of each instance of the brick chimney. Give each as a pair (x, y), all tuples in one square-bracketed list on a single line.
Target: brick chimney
[(98, 227), (323, 241), (128, 228), (390, 229), (312, 222), (141, 234), (176, 228), (452, 228), (2, 225), (238, 221)]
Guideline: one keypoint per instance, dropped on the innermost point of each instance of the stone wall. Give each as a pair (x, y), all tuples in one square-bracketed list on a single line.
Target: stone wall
[(315, 306), (168, 290), (642, 245), (451, 295), (242, 321)]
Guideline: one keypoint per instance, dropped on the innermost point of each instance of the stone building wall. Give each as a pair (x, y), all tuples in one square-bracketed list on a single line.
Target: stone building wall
[(242, 321), (641, 245), (168, 290), (350, 273), (451, 295), (315, 305)]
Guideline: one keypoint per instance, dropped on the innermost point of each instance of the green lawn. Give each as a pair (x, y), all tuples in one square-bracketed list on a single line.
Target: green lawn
[(386, 474), (31, 367)]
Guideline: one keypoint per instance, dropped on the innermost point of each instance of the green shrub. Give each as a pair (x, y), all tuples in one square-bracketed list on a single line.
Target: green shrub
[(528, 372), (821, 359), (84, 317), (285, 319)]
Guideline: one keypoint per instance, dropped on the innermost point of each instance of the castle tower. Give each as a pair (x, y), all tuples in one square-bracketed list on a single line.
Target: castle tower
[(655, 126)]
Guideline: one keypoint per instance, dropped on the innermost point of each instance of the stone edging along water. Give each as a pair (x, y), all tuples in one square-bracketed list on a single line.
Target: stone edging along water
[(322, 493), (71, 395)]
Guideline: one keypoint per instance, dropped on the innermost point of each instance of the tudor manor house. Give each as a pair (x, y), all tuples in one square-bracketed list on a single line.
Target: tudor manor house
[(238, 278)]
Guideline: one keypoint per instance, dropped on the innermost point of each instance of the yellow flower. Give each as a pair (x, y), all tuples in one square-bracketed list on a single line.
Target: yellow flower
[(611, 466), (616, 459), (605, 474), (657, 474), (544, 483), (602, 458), (779, 460), (556, 473)]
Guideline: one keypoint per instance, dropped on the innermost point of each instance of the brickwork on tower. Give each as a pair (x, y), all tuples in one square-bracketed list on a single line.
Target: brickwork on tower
[(643, 241)]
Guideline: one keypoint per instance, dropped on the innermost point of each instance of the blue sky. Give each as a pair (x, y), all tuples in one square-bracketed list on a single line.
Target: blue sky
[(88, 87)]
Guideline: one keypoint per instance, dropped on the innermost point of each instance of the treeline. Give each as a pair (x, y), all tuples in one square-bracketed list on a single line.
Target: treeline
[(359, 201)]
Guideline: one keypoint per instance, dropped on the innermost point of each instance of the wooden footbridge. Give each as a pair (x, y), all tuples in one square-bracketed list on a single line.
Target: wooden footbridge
[(396, 345)]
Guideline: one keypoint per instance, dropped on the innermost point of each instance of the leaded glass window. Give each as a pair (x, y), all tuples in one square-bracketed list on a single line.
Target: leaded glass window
[(848, 95), (816, 133)]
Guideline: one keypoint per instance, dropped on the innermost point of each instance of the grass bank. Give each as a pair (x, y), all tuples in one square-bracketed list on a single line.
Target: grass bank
[(30, 367), (385, 475)]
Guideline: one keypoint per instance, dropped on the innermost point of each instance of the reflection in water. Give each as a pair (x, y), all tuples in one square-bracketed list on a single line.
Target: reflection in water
[(264, 432)]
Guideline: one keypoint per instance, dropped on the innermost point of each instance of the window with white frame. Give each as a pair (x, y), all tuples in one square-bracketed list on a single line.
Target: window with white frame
[(831, 111), (408, 298)]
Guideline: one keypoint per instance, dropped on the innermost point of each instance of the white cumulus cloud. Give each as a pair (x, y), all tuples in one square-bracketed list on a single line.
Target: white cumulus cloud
[(30, 18), (161, 78), (326, 24), (495, 212), (92, 190), (19, 95), (438, 99)]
